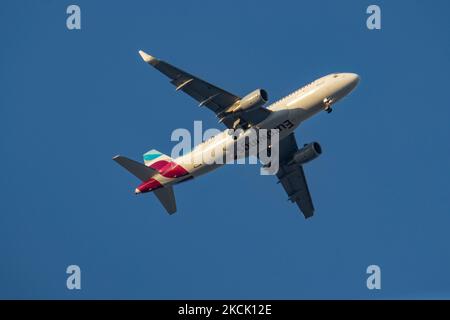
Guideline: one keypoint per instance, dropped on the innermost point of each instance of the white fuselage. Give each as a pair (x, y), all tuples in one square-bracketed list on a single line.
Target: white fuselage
[(286, 116)]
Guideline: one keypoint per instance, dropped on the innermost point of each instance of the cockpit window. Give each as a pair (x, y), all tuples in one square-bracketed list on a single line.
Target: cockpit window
[(335, 75)]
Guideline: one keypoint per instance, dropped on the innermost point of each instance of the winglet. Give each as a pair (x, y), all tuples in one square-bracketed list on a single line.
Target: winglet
[(148, 58)]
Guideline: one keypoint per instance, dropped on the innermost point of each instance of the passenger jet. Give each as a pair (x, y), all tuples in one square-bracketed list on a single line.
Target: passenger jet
[(159, 172)]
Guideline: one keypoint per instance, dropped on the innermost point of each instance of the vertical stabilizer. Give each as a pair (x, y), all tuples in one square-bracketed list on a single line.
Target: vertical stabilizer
[(153, 156)]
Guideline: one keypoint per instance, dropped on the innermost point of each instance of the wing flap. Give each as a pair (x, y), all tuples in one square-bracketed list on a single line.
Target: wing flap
[(212, 97), (205, 93), (292, 177)]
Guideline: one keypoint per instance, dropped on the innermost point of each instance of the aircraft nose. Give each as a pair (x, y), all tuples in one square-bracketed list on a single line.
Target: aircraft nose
[(353, 80), (137, 191)]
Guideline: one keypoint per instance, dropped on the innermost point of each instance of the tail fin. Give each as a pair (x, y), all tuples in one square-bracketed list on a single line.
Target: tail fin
[(154, 156), (167, 198), (165, 194), (140, 170)]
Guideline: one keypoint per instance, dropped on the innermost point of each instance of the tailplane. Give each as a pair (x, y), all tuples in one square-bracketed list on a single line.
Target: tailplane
[(167, 198), (140, 170), (144, 173)]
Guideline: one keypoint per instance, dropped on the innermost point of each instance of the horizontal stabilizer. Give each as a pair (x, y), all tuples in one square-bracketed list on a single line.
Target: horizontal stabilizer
[(167, 198), (140, 170)]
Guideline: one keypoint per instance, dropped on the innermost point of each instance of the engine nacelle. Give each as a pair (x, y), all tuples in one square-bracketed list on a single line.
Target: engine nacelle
[(253, 100), (307, 153)]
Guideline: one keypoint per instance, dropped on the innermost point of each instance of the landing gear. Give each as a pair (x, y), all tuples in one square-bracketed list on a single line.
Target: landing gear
[(327, 102), (236, 123)]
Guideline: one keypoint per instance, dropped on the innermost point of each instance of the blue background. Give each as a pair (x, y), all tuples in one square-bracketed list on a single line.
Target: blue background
[(70, 100)]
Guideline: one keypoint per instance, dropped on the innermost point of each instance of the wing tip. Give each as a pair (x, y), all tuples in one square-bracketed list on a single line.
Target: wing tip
[(147, 58)]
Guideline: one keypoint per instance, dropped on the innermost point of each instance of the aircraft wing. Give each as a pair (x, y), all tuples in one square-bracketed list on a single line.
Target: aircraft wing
[(292, 177), (208, 95)]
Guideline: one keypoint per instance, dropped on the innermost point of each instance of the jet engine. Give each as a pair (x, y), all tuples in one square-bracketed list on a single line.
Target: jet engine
[(253, 100), (307, 153)]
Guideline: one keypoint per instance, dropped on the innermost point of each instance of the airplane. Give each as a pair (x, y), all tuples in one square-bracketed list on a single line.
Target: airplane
[(159, 172)]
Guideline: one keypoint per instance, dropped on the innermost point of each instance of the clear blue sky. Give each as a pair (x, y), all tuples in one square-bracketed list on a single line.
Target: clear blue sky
[(70, 100)]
